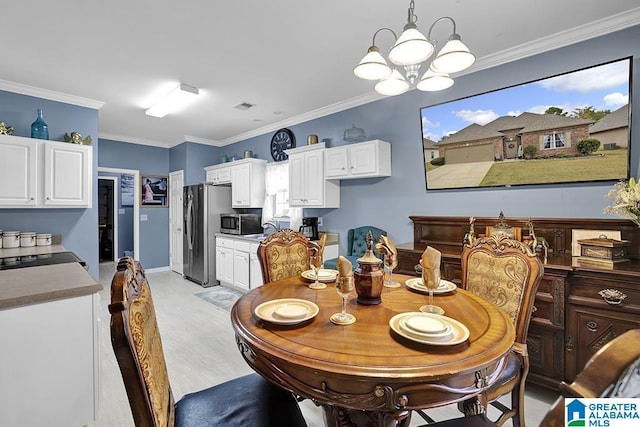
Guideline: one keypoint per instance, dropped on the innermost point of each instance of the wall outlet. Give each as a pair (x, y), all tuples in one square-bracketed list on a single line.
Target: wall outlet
[(121, 212), (319, 221), (143, 217)]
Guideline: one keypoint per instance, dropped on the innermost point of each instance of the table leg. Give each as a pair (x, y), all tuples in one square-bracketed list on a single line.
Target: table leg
[(336, 416)]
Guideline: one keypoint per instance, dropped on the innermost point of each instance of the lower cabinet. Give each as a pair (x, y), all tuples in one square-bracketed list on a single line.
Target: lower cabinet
[(237, 262), (50, 363), (545, 341), (601, 306)]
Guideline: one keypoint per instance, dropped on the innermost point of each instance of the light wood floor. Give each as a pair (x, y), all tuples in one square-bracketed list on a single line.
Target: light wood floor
[(200, 351)]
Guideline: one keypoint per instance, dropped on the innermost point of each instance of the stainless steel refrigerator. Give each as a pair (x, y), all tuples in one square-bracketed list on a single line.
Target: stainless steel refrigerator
[(202, 206)]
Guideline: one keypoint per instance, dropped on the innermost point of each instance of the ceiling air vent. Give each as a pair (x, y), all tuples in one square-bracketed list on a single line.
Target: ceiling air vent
[(244, 106)]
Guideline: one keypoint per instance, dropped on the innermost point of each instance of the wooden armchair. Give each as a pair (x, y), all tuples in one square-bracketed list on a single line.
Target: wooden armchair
[(245, 401), (285, 254)]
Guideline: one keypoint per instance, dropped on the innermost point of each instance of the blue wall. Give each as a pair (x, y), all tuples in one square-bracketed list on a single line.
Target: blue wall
[(387, 203), (192, 158), (78, 227), (154, 232)]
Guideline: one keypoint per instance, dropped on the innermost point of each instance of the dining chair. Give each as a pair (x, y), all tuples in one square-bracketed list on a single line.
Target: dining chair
[(249, 400), (615, 367), (507, 273), (284, 254)]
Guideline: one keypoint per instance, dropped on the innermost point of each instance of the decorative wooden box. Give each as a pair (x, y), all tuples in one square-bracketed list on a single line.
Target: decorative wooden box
[(602, 249)]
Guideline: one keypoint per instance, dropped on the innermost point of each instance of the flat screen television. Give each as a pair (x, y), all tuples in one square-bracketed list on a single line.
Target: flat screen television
[(569, 128)]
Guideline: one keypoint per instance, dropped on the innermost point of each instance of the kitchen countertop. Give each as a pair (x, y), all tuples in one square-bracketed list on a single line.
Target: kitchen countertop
[(33, 285), (332, 238), (31, 250)]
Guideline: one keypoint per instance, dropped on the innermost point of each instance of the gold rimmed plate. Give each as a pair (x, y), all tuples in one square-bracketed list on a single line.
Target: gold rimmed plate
[(324, 275), (287, 311), (458, 334), (444, 287)]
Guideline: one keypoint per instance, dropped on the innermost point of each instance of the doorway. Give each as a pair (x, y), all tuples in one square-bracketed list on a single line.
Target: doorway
[(176, 182), (107, 218), (130, 190)]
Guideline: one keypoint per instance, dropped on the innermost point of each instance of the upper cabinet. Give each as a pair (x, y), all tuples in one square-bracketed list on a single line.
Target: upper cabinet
[(247, 183), (307, 184), (218, 174), (362, 160), (38, 173)]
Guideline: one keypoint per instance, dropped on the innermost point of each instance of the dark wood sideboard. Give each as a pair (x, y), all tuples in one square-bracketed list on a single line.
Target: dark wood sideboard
[(571, 320)]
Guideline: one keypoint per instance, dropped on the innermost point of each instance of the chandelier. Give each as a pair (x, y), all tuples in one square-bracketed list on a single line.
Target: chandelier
[(409, 51)]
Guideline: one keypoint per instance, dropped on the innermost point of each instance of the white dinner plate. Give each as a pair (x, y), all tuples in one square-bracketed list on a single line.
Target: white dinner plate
[(427, 325), (287, 311), (324, 275), (444, 287), (459, 333)]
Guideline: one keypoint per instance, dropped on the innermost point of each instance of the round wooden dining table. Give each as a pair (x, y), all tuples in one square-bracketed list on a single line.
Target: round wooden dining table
[(366, 373)]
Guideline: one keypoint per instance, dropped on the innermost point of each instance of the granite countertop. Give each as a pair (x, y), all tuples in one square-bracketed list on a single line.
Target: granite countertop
[(332, 238), (33, 285)]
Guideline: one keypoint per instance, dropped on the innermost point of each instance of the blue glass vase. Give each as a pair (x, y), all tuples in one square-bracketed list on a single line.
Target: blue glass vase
[(39, 128)]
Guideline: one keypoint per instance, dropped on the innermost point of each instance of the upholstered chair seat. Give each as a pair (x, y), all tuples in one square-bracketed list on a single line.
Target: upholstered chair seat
[(245, 401)]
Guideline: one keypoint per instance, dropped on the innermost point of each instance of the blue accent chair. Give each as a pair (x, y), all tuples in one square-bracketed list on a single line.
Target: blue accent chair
[(357, 245)]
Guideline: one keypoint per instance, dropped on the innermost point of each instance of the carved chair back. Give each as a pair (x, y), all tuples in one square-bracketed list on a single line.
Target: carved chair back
[(136, 342), (507, 273), (285, 254)]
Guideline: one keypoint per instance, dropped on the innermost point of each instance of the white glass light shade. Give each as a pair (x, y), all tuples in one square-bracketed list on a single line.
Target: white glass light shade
[(454, 56), (434, 80), (372, 66), (392, 85), (412, 47), (173, 101)]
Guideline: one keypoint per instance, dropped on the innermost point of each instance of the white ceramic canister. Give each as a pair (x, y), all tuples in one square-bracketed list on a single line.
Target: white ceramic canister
[(27, 239), (43, 239), (11, 239)]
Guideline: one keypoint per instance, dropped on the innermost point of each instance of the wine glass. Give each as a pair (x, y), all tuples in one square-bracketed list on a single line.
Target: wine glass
[(431, 281), (315, 262), (344, 286), (390, 262)]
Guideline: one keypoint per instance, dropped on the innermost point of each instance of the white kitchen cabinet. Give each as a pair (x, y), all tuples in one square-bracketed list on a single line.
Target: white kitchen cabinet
[(255, 271), (247, 183), (237, 262), (50, 363), (307, 184), (241, 264), (224, 260), (361, 160), (218, 174), (38, 173)]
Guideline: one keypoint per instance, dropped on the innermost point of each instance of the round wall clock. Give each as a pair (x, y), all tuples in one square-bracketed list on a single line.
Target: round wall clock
[(282, 140)]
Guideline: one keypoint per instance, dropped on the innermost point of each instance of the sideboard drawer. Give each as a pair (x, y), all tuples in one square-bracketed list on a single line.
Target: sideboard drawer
[(549, 303), (605, 294)]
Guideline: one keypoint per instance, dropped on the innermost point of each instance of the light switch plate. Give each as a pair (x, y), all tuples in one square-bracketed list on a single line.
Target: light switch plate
[(143, 217)]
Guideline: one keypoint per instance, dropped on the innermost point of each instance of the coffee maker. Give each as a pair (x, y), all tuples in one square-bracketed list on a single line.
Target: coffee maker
[(309, 227)]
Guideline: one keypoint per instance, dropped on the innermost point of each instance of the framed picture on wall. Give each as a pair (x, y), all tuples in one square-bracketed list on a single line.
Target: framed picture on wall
[(154, 192), (126, 189)]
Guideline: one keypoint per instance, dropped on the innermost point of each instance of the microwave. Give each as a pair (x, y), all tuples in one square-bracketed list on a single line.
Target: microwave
[(235, 223)]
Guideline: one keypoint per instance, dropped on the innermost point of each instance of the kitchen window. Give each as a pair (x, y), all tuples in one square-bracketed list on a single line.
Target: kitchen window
[(276, 200)]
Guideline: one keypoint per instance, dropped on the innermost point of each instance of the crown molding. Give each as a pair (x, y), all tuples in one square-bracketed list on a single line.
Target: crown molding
[(132, 140), (197, 140), (564, 38), (50, 95)]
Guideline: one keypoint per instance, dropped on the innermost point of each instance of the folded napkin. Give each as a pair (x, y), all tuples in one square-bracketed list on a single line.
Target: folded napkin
[(430, 263), (386, 247), (345, 269)]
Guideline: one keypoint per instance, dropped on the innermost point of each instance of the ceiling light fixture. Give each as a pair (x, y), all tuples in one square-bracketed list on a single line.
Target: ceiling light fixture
[(173, 101), (409, 51)]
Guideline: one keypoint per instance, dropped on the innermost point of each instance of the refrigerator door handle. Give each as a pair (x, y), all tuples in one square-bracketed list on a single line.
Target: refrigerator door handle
[(189, 224)]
